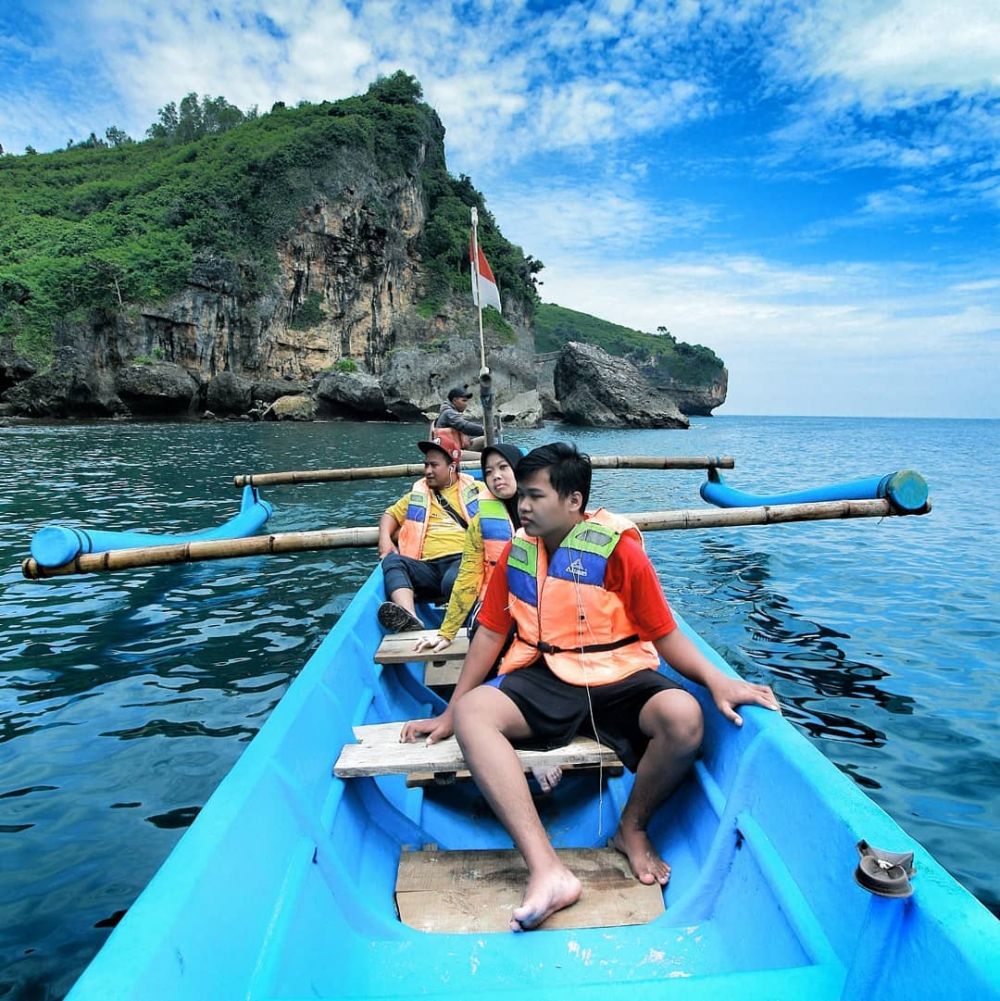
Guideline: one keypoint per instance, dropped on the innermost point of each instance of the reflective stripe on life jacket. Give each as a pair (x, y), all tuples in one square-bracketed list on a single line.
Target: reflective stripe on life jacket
[(414, 527), (497, 530), (563, 612)]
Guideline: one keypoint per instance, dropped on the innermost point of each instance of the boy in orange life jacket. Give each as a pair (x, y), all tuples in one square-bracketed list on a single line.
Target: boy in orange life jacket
[(470, 434), (591, 619), (421, 537)]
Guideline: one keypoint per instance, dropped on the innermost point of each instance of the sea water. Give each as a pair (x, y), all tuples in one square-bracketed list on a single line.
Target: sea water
[(125, 698)]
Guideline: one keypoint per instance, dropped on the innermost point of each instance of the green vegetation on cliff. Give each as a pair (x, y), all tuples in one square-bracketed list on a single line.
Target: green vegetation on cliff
[(93, 231), (686, 364)]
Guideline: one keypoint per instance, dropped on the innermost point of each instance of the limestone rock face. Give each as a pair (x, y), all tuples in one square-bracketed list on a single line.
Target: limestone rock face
[(349, 284), (598, 390), (350, 394), (269, 390), (295, 408), (523, 410), (158, 389), (702, 401), (227, 393), (13, 368), (70, 388)]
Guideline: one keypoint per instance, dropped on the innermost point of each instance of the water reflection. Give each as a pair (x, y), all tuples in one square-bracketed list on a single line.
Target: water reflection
[(125, 699), (801, 659)]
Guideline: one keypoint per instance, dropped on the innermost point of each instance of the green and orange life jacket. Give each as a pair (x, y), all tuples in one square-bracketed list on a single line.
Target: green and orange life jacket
[(563, 612)]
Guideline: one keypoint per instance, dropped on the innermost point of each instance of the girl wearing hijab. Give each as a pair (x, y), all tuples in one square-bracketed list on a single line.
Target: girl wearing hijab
[(499, 465)]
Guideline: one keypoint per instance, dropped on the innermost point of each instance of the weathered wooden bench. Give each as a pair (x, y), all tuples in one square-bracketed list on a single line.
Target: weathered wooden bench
[(475, 891), (379, 752), (442, 668), (398, 648)]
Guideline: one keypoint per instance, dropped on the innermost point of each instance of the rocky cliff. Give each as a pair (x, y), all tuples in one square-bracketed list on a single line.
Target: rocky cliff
[(309, 263), (358, 301)]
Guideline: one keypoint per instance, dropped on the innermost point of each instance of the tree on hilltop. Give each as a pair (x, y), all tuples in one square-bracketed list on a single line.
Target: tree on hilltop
[(196, 118), (400, 88)]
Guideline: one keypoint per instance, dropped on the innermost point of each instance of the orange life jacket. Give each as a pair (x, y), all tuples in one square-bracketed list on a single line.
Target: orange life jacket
[(563, 612), (451, 440), (414, 527)]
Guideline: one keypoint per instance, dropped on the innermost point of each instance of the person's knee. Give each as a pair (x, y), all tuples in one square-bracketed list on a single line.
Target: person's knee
[(395, 572), (678, 716), (468, 717), (483, 712)]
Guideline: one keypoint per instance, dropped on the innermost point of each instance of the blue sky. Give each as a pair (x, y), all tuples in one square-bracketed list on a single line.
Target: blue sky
[(811, 189)]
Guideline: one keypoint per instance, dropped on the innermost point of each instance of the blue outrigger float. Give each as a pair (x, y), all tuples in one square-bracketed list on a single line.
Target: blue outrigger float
[(57, 545), (905, 489), (284, 885)]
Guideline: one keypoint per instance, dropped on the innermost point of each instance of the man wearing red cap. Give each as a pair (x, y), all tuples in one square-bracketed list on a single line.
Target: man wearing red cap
[(422, 535)]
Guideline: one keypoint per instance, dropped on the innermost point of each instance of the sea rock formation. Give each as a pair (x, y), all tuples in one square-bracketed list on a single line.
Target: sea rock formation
[(294, 408), (694, 401), (597, 389), (72, 387), (363, 282), (355, 395), (158, 389), (14, 368)]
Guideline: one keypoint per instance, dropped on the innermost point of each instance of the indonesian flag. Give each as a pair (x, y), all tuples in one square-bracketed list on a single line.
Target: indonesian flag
[(486, 293)]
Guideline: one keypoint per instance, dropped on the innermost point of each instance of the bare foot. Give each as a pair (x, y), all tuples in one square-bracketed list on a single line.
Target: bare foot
[(545, 894), (547, 777), (644, 860)]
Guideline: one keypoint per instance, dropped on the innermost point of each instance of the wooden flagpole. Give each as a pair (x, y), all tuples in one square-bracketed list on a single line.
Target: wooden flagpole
[(475, 285), (485, 378)]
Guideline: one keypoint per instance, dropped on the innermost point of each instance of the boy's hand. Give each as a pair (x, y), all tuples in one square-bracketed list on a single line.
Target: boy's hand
[(438, 728), (729, 693)]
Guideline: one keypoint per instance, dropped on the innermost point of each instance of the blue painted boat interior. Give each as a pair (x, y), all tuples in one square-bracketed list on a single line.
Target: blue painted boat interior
[(57, 545), (283, 887)]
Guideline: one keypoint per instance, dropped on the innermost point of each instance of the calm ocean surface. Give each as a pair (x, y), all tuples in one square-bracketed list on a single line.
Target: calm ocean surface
[(124, 699)]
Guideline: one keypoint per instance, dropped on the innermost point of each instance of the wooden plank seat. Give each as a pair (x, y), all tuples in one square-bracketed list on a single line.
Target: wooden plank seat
[(379, 752), (475, 891), (397, 648)]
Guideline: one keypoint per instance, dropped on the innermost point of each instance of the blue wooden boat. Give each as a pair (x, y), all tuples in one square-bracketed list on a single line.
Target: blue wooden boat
[(57, 545), (283, 886)]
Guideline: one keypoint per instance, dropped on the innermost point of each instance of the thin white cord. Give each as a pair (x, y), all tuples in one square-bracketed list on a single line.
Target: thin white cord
[(580, 620)]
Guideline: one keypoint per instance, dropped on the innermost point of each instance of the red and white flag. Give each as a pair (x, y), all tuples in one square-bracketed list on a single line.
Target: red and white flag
[(485, 292)]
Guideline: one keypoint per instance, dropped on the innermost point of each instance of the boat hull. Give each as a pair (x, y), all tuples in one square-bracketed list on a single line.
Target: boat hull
[(283, 886)]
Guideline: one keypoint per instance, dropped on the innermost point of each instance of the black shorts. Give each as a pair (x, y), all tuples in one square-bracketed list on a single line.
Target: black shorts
[(557, 711)]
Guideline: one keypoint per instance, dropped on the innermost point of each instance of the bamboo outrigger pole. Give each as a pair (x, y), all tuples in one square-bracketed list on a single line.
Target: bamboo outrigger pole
[(417, 469), (345, 538)]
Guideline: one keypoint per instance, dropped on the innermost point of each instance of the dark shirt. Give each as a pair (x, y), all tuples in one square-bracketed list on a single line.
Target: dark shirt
[(452, 418)]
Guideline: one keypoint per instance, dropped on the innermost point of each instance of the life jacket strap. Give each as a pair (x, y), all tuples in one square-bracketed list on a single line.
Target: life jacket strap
[(544, 647)]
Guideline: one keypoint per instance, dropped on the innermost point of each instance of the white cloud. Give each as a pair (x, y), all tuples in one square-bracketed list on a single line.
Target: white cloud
[(900, 53), (591, 220), (508, 82), (910, 86)]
